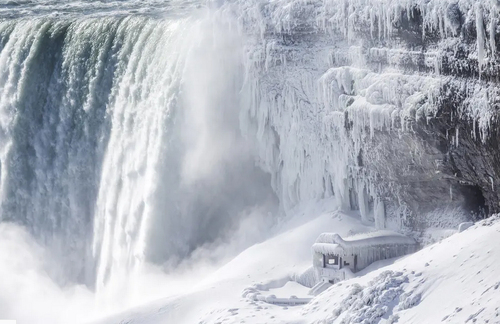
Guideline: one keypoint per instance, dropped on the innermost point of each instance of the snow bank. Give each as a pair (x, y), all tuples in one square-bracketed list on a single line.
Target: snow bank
[(268, 265), (453, 281)]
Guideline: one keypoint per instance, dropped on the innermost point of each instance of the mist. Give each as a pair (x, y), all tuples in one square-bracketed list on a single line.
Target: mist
[(212, 181)]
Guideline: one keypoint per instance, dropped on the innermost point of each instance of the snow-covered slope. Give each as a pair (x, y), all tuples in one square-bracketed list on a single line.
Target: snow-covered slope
[(453, 281), (281, 258)]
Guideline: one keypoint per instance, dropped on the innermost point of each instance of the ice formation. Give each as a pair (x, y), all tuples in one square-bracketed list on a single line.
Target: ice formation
[(347, 98)]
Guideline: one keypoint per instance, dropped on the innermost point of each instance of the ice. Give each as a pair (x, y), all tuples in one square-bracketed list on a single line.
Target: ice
[(481, 35), (463, 226), (313, 115), (365, 239)]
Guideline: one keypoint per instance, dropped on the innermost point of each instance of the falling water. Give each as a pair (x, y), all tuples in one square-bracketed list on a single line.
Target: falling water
[(120, 142)]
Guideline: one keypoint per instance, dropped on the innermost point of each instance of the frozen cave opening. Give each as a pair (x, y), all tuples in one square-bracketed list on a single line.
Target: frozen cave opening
[(474, 202)]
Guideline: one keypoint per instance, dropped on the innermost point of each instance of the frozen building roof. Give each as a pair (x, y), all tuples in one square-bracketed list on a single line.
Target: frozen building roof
[(328, 242), (332, 243)]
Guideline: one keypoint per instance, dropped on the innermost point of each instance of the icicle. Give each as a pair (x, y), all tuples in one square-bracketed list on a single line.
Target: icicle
[(437, 65), (372, 22), (379, 213), (474, 129), (380, 23), (481, 37), (363, 201), (492, 31)]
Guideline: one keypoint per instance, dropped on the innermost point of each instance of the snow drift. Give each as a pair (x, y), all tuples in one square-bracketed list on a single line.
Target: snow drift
[(453, 281)]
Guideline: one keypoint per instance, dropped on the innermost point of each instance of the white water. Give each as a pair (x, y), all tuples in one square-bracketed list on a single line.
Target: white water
[(121, 150)]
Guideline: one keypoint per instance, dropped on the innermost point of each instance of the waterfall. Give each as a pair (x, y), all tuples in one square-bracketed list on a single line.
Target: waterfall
[(55, 129), (121, 142)]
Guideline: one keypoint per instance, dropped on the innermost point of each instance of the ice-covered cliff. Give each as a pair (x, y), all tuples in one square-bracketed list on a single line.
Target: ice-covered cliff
[(390, 106)]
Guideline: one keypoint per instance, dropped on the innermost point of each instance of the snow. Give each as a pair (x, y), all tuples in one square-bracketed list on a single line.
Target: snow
[(326, 248), (268, 265), (452, 281), (290, 293), (291, 288), (374, 238), (463, 226)]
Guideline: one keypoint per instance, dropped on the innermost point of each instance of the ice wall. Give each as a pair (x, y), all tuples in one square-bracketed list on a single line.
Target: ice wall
[(378, 103)]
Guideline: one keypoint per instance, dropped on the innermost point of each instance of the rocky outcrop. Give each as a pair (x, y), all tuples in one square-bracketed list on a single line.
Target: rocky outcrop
[(390, 106)]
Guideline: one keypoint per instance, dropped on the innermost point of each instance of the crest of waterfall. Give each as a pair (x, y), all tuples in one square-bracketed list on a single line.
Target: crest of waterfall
[(54, 129)]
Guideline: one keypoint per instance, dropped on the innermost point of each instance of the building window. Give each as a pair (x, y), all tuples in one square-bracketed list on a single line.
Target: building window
[(332, 260)]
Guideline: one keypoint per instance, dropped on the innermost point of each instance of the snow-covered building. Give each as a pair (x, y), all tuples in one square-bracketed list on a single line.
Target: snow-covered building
[(335, 258)]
